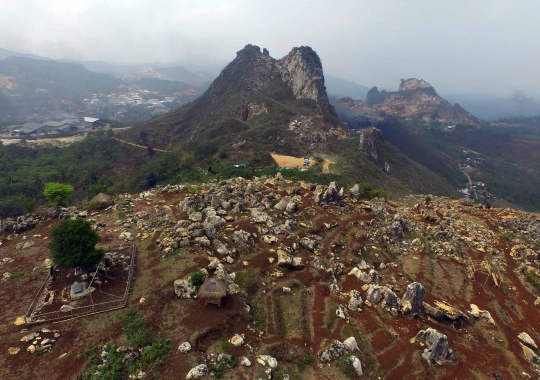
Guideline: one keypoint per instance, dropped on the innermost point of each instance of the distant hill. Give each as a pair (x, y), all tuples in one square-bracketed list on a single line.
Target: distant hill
[(415, 99), (8, 53), (52, 77), (176, 73), (343, 88), (148, 70), (108, 68), (45, 88)]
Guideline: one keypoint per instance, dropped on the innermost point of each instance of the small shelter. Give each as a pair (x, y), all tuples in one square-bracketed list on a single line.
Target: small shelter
[(101, 201), (213, 290)]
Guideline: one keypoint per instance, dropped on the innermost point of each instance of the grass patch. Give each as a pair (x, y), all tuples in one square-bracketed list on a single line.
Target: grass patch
[(259, 315), (246, 279), (15, 276), (509, 236), (126, 363), (279, 317), (331, 316), (305, 362), (532, 279)]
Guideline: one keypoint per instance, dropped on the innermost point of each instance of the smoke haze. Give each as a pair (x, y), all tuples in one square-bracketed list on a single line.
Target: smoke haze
[(485, 46)]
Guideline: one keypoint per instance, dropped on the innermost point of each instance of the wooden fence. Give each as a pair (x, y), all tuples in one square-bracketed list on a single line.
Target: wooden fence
[(77, 312)]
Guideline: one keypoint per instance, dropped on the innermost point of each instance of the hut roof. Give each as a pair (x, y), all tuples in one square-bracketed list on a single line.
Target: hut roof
[(102, 200), (213, 288)]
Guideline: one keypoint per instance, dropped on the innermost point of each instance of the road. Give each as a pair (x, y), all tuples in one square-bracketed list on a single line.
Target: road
[(137, 145)]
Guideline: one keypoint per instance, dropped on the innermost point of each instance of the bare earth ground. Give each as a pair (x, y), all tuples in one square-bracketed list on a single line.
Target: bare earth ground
[(293, 325), (290, 161)]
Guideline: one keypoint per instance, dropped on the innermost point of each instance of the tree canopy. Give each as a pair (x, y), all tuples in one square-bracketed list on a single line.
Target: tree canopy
[(58, 192), (74, 245)]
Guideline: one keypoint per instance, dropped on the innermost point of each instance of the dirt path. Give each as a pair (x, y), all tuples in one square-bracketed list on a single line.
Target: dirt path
[(138, 146), (326, 165), (467, 175)]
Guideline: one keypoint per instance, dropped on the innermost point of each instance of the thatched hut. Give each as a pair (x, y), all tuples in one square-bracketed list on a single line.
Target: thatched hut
[(213, 290), (101, 201)]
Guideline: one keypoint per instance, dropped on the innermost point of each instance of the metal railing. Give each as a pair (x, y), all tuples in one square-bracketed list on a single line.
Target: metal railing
[(81, 311)]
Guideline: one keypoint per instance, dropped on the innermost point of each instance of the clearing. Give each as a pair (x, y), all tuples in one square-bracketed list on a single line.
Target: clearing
[(290, 161)]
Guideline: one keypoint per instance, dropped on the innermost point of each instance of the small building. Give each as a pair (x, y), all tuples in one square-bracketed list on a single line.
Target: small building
[(27, 129), (92, 122), (213, 290), (68, 125)]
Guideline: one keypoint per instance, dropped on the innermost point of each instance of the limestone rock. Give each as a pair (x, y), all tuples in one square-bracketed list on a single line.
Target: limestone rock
[(355, 300), (184, 347), (126, 236), (183, 288), (371, 144), (341, 312), (237, 340), (336, 350), (476, 312), (374, 293), (354, 192), (198, 372), (28, 338), (267, 361), (390, 302), (245, 362), (357, 365), (351, 344), (413, 299), (437, 346), (526, 338)]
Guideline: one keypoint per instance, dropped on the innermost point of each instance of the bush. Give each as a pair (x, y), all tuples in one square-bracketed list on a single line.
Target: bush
[(74, 245), (135, 329), (197, 278)]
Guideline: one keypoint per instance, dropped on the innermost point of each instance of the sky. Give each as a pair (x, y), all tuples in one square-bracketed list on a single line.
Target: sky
[(459, 46)]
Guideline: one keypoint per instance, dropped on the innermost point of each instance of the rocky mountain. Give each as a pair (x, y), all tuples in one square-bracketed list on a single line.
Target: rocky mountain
[(261, 100), (416, 99)]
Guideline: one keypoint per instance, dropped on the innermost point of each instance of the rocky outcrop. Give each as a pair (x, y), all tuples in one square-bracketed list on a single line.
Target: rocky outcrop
[(371, 140), (18, 224), (437, 346), (413, 84), (302, 70), (413, 299), (197, 372), (415, 98)]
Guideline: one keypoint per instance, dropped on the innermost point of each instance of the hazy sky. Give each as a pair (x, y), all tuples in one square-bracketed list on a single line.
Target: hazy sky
[(460, 46)]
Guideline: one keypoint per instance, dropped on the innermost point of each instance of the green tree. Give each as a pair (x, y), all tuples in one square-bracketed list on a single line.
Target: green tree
[(58, 192), (74, 245)]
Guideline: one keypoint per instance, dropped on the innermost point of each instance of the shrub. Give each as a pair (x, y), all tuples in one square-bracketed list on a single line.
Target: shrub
[(197, 278), (74, 245)]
